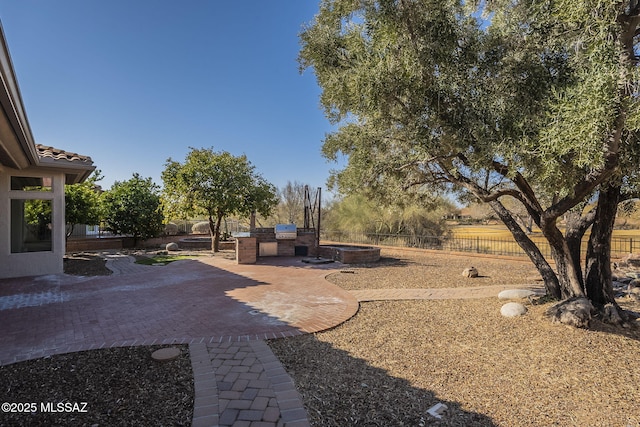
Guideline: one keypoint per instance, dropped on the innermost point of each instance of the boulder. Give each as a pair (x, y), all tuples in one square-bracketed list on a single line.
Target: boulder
[(515, 294), (513, 309), (575, 311), (631, 260), (172, 247), (611, 315), (470, 272)]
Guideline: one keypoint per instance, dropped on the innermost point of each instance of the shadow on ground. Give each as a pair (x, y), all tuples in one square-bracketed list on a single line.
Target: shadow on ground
[(340, 390)]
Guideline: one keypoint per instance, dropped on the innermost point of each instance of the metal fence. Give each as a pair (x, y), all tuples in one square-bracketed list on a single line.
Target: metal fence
[(85, 231), (620, 246), (184, 227)]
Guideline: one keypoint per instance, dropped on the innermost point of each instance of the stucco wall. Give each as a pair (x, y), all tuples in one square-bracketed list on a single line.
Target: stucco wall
[(31, 263)]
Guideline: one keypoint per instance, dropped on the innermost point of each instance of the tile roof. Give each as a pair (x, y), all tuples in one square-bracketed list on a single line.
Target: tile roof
[(58, 154)]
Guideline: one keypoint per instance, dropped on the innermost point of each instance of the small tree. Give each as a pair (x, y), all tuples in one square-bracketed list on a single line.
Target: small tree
[(82, 203), (133, 207), (216, 184)]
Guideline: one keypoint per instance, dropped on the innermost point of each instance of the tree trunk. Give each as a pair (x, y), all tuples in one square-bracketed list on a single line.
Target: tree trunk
[(551, 282), (570, 281), (69, 231), (212, 233), (576, 228), (568, 274), (598, 278), (577, 225), (215, 232)]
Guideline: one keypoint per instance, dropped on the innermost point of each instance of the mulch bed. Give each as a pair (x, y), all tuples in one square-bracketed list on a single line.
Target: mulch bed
[(85, 264), (109, 387)]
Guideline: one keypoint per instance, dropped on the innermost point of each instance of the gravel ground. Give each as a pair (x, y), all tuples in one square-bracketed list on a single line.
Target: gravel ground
[(394, 360), (404, 270)]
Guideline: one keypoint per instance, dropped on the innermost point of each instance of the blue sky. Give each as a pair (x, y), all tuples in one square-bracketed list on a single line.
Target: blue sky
[(134, 82)]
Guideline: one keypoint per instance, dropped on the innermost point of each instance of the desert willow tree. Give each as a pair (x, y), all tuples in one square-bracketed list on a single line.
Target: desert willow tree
[(536, 103)]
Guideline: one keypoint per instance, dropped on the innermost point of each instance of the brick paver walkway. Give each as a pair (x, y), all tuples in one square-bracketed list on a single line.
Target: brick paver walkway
[(223, 311), (243, 383)]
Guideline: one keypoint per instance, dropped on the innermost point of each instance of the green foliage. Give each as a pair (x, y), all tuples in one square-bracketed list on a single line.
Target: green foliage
[(82, 202), (37, 212), (356, 213), (423, 94), (133, 207), (163, 259), (38, 217), (215, 184)]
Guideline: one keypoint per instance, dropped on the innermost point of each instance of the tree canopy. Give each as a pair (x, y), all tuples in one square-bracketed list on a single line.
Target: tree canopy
[(133, 207), (356, 213), (82, 202), (537, 102), (291, 203), (215, 184)]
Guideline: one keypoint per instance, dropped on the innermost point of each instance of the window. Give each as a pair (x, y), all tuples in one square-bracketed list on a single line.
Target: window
[(31, 224), (30, 183)]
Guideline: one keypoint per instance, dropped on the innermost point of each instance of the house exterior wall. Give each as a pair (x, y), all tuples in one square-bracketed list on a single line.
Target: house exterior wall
[(40, 262)]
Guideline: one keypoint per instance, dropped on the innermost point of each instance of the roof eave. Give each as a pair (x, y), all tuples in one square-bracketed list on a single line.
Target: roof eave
[(75, 172), (11, 102)]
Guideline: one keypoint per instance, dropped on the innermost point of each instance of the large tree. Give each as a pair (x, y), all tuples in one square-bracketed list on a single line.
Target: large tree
[(536, 103), (133, 207), (216, 184)]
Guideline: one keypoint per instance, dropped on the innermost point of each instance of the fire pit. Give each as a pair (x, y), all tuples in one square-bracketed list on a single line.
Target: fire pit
[(350, 254)]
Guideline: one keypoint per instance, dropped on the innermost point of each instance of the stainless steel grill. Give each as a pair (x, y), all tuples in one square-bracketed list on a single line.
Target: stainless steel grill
[(286, 231)]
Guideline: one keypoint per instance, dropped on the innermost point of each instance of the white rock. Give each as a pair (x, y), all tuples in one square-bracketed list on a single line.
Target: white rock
[(165, 354), (437, 410), (172, 247), (513, 309), (470, 272), (515, 294)]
